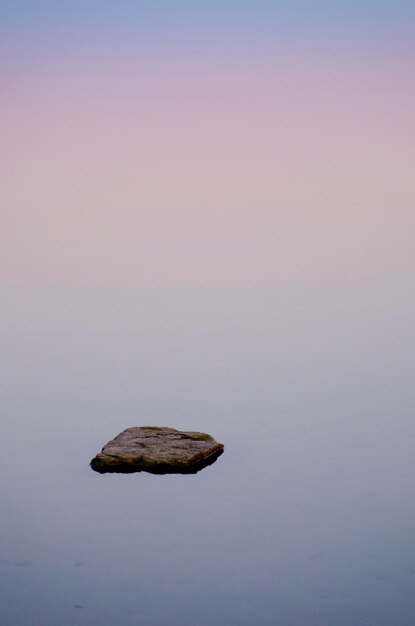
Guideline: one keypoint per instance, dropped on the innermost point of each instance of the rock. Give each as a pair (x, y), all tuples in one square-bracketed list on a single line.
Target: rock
[(157, 450)]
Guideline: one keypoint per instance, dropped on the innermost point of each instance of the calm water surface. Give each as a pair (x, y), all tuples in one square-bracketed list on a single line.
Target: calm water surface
[(307, 519)]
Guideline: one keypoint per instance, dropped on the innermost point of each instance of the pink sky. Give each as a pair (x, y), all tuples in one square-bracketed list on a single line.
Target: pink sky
[(177, 171)]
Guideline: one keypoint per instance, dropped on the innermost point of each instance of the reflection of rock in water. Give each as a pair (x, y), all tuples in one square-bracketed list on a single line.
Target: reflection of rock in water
[(157, 450)]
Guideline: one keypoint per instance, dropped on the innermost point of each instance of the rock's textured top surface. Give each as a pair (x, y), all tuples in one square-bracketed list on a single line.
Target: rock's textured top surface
[(158, 450)]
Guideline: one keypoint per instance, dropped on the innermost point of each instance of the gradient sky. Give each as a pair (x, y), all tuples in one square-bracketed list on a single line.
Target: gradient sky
[(180, 142)]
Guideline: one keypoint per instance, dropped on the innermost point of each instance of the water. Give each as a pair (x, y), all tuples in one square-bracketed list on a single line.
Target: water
[(307, 519)]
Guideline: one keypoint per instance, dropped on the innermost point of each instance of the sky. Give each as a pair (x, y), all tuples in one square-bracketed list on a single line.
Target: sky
[(183, 143)]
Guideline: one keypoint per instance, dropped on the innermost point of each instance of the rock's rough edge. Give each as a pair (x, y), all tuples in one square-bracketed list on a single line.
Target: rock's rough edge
[(106, 462)]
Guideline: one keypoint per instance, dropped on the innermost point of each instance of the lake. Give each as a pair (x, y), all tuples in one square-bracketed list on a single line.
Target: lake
[(307, 519)]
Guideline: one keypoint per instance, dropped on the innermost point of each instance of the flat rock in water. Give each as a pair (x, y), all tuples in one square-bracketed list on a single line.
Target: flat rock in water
[(157, 450)]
